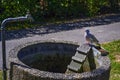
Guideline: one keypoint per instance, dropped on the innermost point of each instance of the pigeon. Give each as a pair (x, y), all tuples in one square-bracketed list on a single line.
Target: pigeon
[(91, 39)]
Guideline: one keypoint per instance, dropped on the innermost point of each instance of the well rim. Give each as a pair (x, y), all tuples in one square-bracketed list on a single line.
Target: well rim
[(13, 59)]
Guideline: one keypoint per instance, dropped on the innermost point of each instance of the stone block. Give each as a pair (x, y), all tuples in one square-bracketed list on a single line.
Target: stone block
[(75, 66), (84, 49), (79, 57)]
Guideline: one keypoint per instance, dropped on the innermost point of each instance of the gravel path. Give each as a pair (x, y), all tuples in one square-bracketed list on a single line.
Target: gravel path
[(104, 33)]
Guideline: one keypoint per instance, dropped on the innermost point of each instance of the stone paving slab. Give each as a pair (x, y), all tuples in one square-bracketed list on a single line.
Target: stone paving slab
[(79, 57), (104, 33)]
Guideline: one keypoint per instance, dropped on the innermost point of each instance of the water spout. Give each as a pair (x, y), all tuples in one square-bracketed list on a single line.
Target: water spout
[(17, 19)]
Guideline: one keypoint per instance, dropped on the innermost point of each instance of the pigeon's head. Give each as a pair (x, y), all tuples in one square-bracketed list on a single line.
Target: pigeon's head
[(87, 31)]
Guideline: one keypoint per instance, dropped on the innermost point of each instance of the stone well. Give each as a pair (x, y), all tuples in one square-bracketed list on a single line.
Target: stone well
[(48, 60)]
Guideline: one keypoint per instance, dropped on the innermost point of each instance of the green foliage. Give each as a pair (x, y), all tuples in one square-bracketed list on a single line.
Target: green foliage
[(13, 8), (114, 49), (47, 9)]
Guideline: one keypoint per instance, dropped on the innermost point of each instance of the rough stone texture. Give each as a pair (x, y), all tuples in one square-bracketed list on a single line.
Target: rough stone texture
[(19, 71), (83, 60)]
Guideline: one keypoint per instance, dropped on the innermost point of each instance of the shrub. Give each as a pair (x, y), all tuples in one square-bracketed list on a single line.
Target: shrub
[(47, 9)]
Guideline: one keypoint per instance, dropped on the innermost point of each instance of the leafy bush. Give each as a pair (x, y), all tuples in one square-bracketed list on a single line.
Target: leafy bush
[(47, 9)]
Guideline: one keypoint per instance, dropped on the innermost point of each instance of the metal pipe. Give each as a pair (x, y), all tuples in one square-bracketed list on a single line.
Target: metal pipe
[(5, 21), (17, 19)]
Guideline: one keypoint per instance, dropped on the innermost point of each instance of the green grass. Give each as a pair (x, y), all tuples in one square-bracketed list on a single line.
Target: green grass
[(114, 49), (0, 75)]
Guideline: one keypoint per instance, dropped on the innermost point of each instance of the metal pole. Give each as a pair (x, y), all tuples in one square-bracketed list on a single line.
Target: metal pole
[(3, 53), (8, 20)]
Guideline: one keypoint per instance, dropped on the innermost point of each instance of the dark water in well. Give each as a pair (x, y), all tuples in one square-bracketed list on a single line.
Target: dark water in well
[(53, 63)]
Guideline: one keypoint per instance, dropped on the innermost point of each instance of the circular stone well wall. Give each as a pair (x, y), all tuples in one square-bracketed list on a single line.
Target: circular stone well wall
[(48, 60)]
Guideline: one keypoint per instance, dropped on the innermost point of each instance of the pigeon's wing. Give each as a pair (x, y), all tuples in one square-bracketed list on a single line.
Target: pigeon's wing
[(93, 38)]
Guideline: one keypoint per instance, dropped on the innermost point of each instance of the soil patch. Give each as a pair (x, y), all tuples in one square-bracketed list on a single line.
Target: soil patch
[(117, 58)]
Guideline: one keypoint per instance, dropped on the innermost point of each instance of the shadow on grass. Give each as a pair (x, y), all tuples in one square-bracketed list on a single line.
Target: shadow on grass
[(41, 30)]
